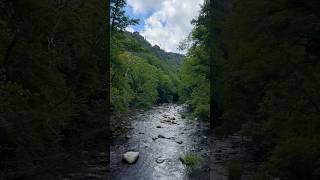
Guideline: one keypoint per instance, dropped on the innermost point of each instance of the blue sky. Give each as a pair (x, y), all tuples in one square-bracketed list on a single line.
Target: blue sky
[(163, 22), (129, 12)]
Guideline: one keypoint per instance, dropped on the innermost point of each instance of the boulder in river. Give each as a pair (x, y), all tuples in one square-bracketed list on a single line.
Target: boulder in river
[(159, 126), (131, 157), (179, 142)]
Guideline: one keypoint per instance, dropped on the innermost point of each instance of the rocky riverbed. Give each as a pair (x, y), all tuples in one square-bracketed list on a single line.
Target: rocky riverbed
[(151, 145), (161, 136)]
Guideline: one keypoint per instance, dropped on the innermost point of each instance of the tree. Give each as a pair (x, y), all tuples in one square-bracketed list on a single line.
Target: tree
[(195, 69), (52, 86), (118, 19), (266, 78)]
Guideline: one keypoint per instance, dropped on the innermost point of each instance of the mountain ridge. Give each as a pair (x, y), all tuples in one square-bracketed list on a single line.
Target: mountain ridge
[(170, 57)]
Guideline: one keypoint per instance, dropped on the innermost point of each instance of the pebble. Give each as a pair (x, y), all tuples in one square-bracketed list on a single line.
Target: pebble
[(160, 160)]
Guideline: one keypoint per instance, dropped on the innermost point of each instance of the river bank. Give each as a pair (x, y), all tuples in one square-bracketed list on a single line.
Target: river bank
[(162, 135)]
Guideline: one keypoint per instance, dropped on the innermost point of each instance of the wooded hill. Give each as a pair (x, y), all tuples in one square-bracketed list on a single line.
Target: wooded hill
[(141, 74), (169, 57)]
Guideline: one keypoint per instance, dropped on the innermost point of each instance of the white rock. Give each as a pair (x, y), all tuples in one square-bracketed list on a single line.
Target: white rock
[(131, 157)]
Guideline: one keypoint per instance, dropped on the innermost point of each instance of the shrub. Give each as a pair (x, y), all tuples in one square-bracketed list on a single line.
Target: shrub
[(190, 159), (296, 158)]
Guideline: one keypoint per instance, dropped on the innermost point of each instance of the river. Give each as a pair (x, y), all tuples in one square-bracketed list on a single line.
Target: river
[(162, 135), (159, 157)]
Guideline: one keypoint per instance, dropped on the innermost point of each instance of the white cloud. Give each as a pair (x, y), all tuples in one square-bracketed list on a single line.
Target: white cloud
[(143, 6), (130, 29), (170, 21)]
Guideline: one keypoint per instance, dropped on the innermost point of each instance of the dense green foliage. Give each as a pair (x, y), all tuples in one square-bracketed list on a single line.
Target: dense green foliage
[(265, 74), (138, 77), (52, 85), (268, 81), (195, 70), (141, 75), (260, 56)]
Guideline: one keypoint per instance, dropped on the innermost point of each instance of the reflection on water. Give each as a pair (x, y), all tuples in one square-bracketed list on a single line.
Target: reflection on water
[(159, 157)]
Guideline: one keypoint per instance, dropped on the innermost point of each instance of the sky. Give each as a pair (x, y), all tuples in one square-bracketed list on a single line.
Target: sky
[(163, 22)]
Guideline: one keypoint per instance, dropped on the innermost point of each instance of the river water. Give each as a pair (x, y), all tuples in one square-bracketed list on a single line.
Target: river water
[(159, 157), (161, 135)]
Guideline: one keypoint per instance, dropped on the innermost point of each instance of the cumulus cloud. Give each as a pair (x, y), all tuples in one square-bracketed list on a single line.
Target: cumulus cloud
[(143, 6), (169, 22)]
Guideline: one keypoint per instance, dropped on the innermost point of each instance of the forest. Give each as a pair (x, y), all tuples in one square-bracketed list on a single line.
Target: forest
[(251, 69), (258, 60), (264, 74), (141, 74), (53, 91)]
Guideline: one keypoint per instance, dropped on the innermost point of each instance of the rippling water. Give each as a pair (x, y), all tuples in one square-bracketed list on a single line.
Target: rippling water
[(143, 137)]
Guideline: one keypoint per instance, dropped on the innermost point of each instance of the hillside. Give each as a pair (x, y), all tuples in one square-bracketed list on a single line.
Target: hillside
[(141, 74), (169, 57)]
